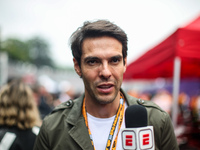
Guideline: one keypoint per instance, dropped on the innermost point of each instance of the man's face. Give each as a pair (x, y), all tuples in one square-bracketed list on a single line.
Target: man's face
[(102, 68)]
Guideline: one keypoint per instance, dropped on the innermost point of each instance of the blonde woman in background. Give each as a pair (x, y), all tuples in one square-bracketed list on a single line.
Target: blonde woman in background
[(19, 117)]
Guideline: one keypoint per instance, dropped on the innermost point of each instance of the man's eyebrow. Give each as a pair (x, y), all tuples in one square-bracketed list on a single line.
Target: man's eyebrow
[(97, 58), (90, 58), (117, 56)]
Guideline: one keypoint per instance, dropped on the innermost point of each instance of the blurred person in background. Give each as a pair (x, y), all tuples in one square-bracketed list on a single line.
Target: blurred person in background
[(163, 99), (19, 117), (44, 100), (189, 122), (66, 91)]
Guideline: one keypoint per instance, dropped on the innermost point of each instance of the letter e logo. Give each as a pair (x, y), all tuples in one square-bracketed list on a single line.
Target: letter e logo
[(145, 139), (129, 140)]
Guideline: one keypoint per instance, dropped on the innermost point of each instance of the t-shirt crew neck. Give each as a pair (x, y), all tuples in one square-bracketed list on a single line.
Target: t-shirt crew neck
[(100, 130)]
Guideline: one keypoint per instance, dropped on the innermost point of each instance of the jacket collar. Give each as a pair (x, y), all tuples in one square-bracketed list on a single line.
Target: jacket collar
[(129, 99), (76, 112), (79, 131)]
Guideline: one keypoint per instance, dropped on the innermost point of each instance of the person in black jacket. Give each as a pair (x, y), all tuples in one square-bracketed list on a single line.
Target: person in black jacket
[(19, 117)]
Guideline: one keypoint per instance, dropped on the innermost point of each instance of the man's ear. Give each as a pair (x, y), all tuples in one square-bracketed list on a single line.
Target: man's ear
[(77, 67), (125, 63)]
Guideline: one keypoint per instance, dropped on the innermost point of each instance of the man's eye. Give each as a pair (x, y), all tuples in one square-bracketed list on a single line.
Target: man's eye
[(91, 62), (115, 60)]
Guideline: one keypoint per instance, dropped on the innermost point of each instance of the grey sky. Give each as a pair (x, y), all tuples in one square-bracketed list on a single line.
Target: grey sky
[(146, 22)]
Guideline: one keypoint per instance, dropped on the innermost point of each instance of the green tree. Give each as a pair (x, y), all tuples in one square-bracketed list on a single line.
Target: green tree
[(36, 51), (16, 49), (39, 52)]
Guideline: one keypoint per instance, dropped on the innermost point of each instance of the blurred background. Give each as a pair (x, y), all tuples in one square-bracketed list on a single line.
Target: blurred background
[(34, 46)]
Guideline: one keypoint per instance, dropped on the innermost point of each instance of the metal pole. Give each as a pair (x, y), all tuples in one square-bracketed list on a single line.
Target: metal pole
[(176, 85), (3, 65)]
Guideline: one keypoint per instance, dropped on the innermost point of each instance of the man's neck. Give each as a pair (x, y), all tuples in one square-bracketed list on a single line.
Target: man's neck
[(102, 110)]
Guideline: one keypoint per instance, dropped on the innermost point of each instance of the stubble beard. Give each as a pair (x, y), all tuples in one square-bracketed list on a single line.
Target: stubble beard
[(102, 99)]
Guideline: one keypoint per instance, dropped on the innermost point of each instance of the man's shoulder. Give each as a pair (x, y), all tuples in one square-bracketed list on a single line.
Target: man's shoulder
[(137, 101), (152, 108), (64, 109), (156, 115), (148, 104), (65, 105)]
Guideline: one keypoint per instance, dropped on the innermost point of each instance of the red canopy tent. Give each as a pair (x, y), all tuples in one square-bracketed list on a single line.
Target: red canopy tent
[(158, 61), (178, 56)]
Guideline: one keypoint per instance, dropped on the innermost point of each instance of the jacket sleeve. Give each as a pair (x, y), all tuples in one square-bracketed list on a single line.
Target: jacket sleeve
[(41, 142), (168, 138)]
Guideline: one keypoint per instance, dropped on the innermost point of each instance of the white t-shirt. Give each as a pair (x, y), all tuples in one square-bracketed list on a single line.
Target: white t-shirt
[(100, 130)]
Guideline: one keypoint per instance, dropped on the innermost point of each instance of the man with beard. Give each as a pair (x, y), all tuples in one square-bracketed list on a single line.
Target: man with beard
[(92, 121)]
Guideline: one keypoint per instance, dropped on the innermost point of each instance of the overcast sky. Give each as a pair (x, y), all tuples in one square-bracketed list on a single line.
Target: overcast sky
[(146, 22)]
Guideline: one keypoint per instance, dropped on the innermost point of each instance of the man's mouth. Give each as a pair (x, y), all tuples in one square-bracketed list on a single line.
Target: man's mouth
[(105, 88)]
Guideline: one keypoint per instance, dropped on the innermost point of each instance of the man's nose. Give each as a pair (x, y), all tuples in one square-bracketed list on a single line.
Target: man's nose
[(105, 71)]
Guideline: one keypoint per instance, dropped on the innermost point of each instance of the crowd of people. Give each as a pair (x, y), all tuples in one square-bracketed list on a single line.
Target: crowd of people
[(23, 106), (188, 121), (187, 132)]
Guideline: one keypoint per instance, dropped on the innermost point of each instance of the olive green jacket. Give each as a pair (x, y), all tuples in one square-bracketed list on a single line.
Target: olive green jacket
[(65, 129)]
